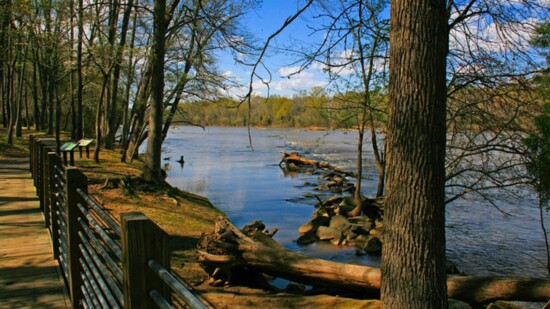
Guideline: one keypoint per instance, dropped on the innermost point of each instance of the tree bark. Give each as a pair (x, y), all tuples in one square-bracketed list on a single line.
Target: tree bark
[(413, 255), (38, 119), (79, 79), (5, 16), (152, 169), (228, 251), (114, 114), (110, 111)]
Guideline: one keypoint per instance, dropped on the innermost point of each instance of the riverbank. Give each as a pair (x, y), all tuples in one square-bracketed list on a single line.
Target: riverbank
[(184, 216)]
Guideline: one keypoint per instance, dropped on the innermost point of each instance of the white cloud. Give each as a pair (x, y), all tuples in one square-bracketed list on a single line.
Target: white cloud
[(482, 34), (302, 80), (286, 71)]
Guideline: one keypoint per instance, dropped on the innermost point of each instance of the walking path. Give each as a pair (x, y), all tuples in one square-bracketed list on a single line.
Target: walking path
[(29, 275)]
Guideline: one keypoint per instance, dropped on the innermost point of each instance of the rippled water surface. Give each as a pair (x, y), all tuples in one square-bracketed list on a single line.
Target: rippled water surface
[(249, 185)]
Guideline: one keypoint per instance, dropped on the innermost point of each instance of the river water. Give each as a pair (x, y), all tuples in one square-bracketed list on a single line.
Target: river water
[(249, 185)]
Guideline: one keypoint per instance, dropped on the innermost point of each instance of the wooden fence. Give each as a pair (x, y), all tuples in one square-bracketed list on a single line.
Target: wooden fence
[(104, 264)]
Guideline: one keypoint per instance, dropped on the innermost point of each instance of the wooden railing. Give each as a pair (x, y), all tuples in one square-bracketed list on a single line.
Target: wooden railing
[(104, 264)]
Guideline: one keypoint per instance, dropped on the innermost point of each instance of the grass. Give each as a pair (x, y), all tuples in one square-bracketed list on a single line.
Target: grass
[(17, 150), (183, 215)]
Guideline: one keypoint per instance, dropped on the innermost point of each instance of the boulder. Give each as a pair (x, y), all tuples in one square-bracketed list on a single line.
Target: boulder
[(313, 225), (375, 232), (292, 167), (306, 239), (347, 201), (359, 242), (350, 235), (379, 224), (361, 221), (338, 179), (328, 233), (333, 200), (339, 241), (374, 245), (322, 212), (344, 209), (457, 304), (340, 223)]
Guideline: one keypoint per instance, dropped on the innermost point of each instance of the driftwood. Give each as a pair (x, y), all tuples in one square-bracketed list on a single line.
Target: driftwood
[(228, 251), (296, 159)]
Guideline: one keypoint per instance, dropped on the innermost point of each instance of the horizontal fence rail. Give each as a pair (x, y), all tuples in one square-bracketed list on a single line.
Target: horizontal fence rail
[(104, 264)]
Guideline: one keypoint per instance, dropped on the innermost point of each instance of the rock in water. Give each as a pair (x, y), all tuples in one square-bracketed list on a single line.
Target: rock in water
[(373, 246), (306, 239), (457, 304), (328, 233), (340, 223), (313, 225)]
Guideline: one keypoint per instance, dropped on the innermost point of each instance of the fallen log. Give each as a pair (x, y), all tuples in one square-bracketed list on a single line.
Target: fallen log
[(228, 251), (295, 158)]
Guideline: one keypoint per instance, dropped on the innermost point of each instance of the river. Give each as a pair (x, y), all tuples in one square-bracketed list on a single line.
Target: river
[(249, 185)]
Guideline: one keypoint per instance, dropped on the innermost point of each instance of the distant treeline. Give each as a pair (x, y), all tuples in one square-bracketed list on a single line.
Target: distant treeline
[(306, 110), (470, 108)]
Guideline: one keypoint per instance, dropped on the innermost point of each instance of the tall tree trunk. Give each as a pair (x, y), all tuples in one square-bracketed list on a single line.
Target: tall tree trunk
[(72, 73), (130, 81), (79, 82), (37, 119), (43, 78), (98, 120), (366, 108), (51, 106), (190, 56), (9, 98), (114, 120), (357, 197), (110, 115), (152, 169), (413, 256), (48, 68), (137, 122), (5, 16), (379, 158), (3, 97), (10, 77), (27, 119), (21, 86)]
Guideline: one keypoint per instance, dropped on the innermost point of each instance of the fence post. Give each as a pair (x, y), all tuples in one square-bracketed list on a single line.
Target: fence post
[(46, 189), (142, 240), (34, 161), (40, 147), (31, 140), (75, 179), (54, 226)]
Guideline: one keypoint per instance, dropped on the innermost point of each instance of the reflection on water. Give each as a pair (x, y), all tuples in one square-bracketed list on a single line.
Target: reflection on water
[(249, 185)]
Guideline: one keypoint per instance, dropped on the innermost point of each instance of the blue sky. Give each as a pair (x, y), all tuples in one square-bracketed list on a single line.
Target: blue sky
[(264, 21), (270, 15)]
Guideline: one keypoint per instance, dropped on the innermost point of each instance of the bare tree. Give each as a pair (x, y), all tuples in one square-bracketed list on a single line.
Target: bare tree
[(152, 170), (196, 31)]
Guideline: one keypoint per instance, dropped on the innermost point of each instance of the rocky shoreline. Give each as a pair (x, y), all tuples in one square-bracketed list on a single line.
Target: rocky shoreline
[(330, 221)]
